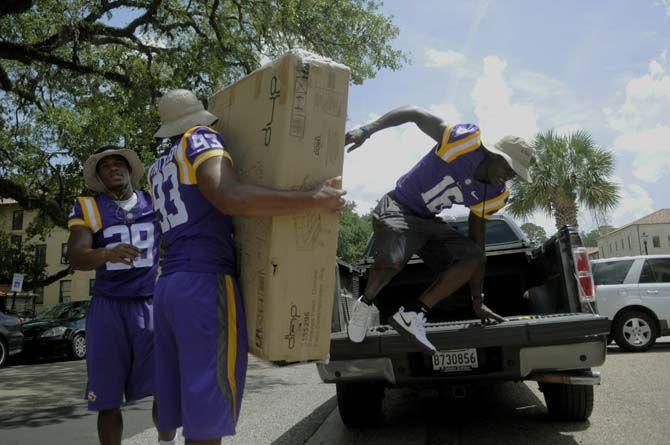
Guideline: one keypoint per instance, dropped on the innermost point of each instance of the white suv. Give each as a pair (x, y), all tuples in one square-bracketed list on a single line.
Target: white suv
[(634, 292)]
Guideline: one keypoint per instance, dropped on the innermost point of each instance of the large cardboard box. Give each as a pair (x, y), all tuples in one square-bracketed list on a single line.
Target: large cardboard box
[(284, 127)]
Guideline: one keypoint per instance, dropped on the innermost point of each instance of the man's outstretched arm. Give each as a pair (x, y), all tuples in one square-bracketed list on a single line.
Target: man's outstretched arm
[(477, 232), (427, 122)]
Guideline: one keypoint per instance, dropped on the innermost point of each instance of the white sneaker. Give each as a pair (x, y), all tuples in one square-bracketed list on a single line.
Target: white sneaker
[(360, 321), (412, 325)]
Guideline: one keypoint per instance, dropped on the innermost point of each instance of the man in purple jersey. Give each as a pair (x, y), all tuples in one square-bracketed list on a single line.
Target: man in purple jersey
[(116, 233), (458, 170), (201, 337)]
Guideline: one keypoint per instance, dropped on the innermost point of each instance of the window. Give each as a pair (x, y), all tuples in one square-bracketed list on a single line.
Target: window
[(629, 241), (65, 291), (63, 254), (39, 295), (611, 272), (657, 241), (610, 248), (41, 255), (91, 285), (622, 246), (656, 270), (16, 241), (497, 231), (17, 220)]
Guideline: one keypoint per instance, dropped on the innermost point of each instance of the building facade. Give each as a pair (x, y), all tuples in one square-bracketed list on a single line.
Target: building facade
[(52, 252), (649, 235)]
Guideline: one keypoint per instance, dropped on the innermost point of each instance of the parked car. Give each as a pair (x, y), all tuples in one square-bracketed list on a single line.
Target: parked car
[(60, 329), (11, 338), (552, 335), (634, 292)]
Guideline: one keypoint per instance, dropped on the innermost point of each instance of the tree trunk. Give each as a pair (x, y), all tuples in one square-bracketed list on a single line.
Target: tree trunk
[(565, 210)]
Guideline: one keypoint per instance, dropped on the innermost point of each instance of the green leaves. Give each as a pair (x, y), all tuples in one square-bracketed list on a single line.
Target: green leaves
[(591, 239), (354, 233), (70, 80), (567, 171), (535, 233)]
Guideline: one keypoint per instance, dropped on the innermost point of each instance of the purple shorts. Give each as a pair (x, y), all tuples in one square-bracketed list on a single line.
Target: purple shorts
[(119, 352), (201, 353)]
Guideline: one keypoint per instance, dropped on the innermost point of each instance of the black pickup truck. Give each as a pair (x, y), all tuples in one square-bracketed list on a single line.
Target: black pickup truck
[(552, 336)]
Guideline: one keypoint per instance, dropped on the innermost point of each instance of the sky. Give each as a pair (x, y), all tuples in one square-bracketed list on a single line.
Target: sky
[(519, 67)]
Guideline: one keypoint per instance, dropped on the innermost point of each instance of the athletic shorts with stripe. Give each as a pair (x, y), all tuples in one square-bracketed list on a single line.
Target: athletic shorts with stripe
[(201, 353), (120, 351)]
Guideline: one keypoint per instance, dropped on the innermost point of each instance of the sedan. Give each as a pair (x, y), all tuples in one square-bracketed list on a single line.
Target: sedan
[(11, 338), (60, 329)]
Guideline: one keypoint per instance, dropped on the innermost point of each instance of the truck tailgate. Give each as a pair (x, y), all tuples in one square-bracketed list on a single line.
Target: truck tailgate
[(529, 330)]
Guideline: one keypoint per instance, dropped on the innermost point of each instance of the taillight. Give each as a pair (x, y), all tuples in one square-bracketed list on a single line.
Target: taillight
[(584, 275)]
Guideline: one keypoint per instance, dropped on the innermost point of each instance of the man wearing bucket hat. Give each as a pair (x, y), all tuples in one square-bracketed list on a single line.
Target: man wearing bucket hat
[(459, 169), (201, 337), (115, 232)]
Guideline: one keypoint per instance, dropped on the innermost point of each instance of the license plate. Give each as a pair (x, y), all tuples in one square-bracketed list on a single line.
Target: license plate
[(456, 360)]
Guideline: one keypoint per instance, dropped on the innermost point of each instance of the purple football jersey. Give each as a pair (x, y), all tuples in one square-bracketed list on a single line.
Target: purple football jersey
[(112, 225), (197, 237), (446, 176)]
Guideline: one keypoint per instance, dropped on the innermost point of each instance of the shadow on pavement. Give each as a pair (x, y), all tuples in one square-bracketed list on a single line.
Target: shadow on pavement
[(508, 413), (259, 382), (36, 395), (20, 359), (303, 430), (42, 417)]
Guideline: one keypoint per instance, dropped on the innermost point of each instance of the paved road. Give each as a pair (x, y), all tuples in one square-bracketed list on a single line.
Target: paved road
[(289, 405), (632, 407)]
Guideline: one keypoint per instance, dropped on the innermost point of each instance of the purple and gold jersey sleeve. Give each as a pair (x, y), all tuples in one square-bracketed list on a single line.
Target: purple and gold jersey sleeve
[(85, 213), (459, 140), (486, 200), (198, 145)]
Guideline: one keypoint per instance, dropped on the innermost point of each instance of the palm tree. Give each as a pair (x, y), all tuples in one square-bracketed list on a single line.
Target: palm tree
[(567, 171)]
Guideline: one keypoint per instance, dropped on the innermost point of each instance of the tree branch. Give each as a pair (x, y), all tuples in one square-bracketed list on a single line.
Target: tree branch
[(145, 18), (31, 201), (108, 6), (48, 280), (9, 7), (7, 85), (27, 55)]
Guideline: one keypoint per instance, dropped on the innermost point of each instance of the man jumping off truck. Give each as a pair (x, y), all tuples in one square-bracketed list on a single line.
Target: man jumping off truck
[(458, 170)]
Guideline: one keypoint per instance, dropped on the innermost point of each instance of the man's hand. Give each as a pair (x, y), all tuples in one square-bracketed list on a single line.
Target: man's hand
[(356, 136), (486, 315), (122, 253), (329, 196)]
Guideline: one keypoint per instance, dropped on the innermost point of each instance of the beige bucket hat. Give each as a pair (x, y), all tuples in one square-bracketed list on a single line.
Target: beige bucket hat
[(517, 152), (180, 110), (90, 172)]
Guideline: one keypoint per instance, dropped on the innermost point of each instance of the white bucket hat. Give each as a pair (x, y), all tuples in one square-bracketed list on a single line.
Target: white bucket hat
[(180, 110), (517, 152), (90, 166)]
